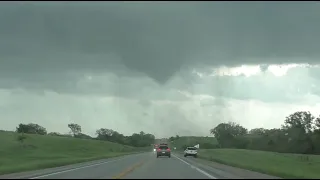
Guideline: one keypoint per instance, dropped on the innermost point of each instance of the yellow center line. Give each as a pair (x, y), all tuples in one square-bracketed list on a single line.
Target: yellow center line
[(127, 171)]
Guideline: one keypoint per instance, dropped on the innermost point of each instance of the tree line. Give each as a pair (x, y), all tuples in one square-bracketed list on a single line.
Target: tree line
[(300, 133), (136, 139)]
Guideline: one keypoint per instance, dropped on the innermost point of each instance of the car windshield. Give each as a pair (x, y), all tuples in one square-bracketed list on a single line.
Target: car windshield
[(191, 148)]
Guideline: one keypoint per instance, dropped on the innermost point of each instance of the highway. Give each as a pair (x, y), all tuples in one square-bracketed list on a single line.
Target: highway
[(142, 166)]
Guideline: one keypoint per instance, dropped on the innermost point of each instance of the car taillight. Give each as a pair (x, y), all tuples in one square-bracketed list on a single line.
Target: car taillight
[(168, 149), (158, 149)]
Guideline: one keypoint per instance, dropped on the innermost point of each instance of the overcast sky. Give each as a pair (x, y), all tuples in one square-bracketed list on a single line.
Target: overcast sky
[(161, 67)]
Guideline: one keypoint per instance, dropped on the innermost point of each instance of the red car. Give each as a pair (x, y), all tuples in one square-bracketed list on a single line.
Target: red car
[(163, 150)]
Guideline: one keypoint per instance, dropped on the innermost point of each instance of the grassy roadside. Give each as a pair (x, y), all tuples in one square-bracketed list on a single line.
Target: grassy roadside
[(38, 152), (277, 164)]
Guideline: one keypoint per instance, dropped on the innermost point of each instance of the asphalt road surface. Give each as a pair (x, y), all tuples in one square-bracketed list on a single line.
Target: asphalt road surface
[(139, 166)]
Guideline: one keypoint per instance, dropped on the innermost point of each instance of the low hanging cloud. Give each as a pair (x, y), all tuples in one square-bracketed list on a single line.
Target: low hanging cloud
[(155, 38), (160, 67)]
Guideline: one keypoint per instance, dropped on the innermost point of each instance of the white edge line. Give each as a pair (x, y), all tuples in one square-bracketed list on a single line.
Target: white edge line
[(73, 169), (199, 170)]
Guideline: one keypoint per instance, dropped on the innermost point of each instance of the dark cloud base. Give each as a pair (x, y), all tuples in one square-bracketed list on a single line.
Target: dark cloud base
[(157, 39)]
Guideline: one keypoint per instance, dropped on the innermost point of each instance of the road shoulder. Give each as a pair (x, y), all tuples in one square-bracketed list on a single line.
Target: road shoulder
[(66, 168), (225, 171)]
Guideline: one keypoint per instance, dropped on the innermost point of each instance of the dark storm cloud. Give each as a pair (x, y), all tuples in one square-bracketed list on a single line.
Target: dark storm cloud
[(155, 38)]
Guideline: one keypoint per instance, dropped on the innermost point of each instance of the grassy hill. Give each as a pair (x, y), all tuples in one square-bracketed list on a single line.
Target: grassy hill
[(283, 165), (46, 151)]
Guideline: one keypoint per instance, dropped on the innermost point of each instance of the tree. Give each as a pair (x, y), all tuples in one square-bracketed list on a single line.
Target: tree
[(301, 120), (298, 127), (135, 140), (171, 139), (257, 131), (75, 128), (110, 135), (226, 133), (118, 137), (54, 134), (317, 123), (316, 136), (104, 134), (142, 133), (31, 129), (148, 139)]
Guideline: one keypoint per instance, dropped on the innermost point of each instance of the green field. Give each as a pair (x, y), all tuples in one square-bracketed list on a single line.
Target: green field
[(38, 152), (278, 164)]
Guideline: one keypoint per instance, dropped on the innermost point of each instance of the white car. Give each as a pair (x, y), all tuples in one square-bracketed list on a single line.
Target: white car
[(191, 151)]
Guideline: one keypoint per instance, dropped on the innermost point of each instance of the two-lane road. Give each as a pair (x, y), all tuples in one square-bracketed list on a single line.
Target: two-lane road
[(137, 166), (167, 168)]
